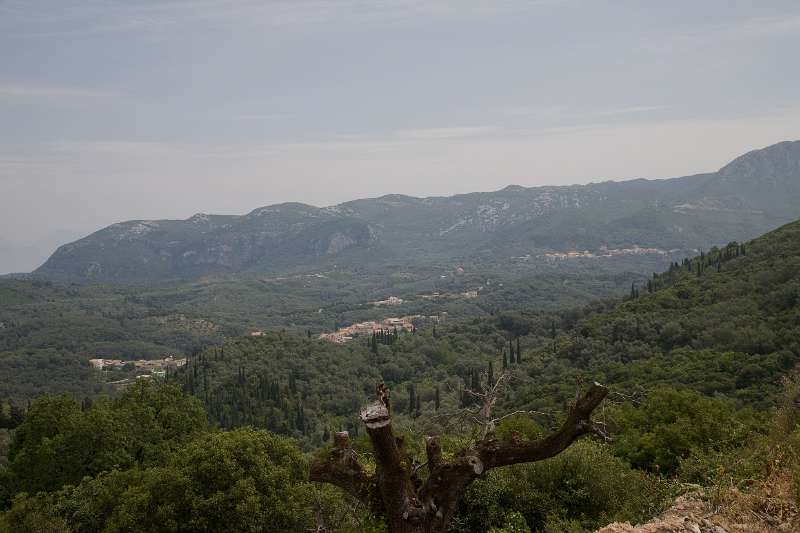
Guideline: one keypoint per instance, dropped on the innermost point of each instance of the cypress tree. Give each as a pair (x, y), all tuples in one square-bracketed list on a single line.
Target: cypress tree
[(491, 374), (412, 399), (519, 352), (301, 417), (505, 361), (476, 381), (436, 398)]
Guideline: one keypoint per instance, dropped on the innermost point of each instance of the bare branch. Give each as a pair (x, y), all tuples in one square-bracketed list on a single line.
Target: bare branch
[(342, 468), (496, 421), (411, 505), (449, 478), (578, 423)]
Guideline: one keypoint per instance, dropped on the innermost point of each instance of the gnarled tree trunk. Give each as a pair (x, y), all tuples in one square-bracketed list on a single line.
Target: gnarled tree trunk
[(412, 506)]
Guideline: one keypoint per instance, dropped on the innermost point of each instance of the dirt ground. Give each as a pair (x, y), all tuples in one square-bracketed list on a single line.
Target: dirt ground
[(769, 507)]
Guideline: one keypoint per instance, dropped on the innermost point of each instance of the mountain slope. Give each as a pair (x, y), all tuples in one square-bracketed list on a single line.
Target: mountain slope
[(753, 194), (724, 323)]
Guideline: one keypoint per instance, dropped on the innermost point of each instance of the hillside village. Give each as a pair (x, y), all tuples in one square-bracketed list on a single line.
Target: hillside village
[(143, 367), (603, 252), (403, 323)]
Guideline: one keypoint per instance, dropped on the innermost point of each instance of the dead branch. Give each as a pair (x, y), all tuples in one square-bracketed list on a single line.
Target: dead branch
[(408, 504)]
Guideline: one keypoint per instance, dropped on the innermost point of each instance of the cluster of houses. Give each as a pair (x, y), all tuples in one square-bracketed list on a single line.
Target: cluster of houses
[(403, 323), (148, 367), (604, 252), (391, 300), (472, 293)]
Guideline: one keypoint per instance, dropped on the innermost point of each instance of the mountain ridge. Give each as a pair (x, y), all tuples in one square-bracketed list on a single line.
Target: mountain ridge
[(754, 193)]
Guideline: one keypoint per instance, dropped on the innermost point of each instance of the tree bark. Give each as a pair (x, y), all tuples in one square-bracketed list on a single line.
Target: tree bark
[(394, 490)]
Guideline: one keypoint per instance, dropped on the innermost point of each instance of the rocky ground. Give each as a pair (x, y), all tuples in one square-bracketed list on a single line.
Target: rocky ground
[(768, 508)]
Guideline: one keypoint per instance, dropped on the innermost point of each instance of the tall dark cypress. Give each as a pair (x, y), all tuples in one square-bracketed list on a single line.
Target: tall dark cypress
[(476, 381), (505, 361), (301, 417), (436, 398), (491, 374), (519, 352)]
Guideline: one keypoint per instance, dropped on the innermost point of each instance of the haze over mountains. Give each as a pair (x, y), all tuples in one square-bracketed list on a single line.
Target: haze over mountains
[(752, 194)]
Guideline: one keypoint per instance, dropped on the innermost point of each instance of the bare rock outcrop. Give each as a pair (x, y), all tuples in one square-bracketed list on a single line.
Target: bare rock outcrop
[(738, 513)]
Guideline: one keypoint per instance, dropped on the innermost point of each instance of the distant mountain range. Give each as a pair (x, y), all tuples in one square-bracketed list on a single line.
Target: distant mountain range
[(755, 193)]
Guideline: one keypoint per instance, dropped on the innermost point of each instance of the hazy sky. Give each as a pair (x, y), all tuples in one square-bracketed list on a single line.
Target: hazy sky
[(115, 110)]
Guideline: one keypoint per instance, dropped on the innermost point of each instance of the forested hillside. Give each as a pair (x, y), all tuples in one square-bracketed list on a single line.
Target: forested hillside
[(49, 330), (470, 256), (725, 324), (694, 358)]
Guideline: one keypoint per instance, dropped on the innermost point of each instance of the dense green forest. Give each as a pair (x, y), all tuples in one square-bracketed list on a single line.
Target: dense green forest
[(694, 356), (53, 329), (725, 324)]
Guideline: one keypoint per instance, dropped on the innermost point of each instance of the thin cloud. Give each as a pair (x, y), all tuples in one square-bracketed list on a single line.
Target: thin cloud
[(430, 134), (536, 111), (733, 30), (135, 148), (633, 110), (62, 18), (260, 116), (563, 113), (15, 91), (407, 141)]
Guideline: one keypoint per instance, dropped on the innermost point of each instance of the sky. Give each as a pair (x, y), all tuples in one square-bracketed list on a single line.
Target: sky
[(132, 109)]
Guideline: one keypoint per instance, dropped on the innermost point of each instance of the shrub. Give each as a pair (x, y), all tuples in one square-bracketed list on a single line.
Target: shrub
[(586, 486)]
